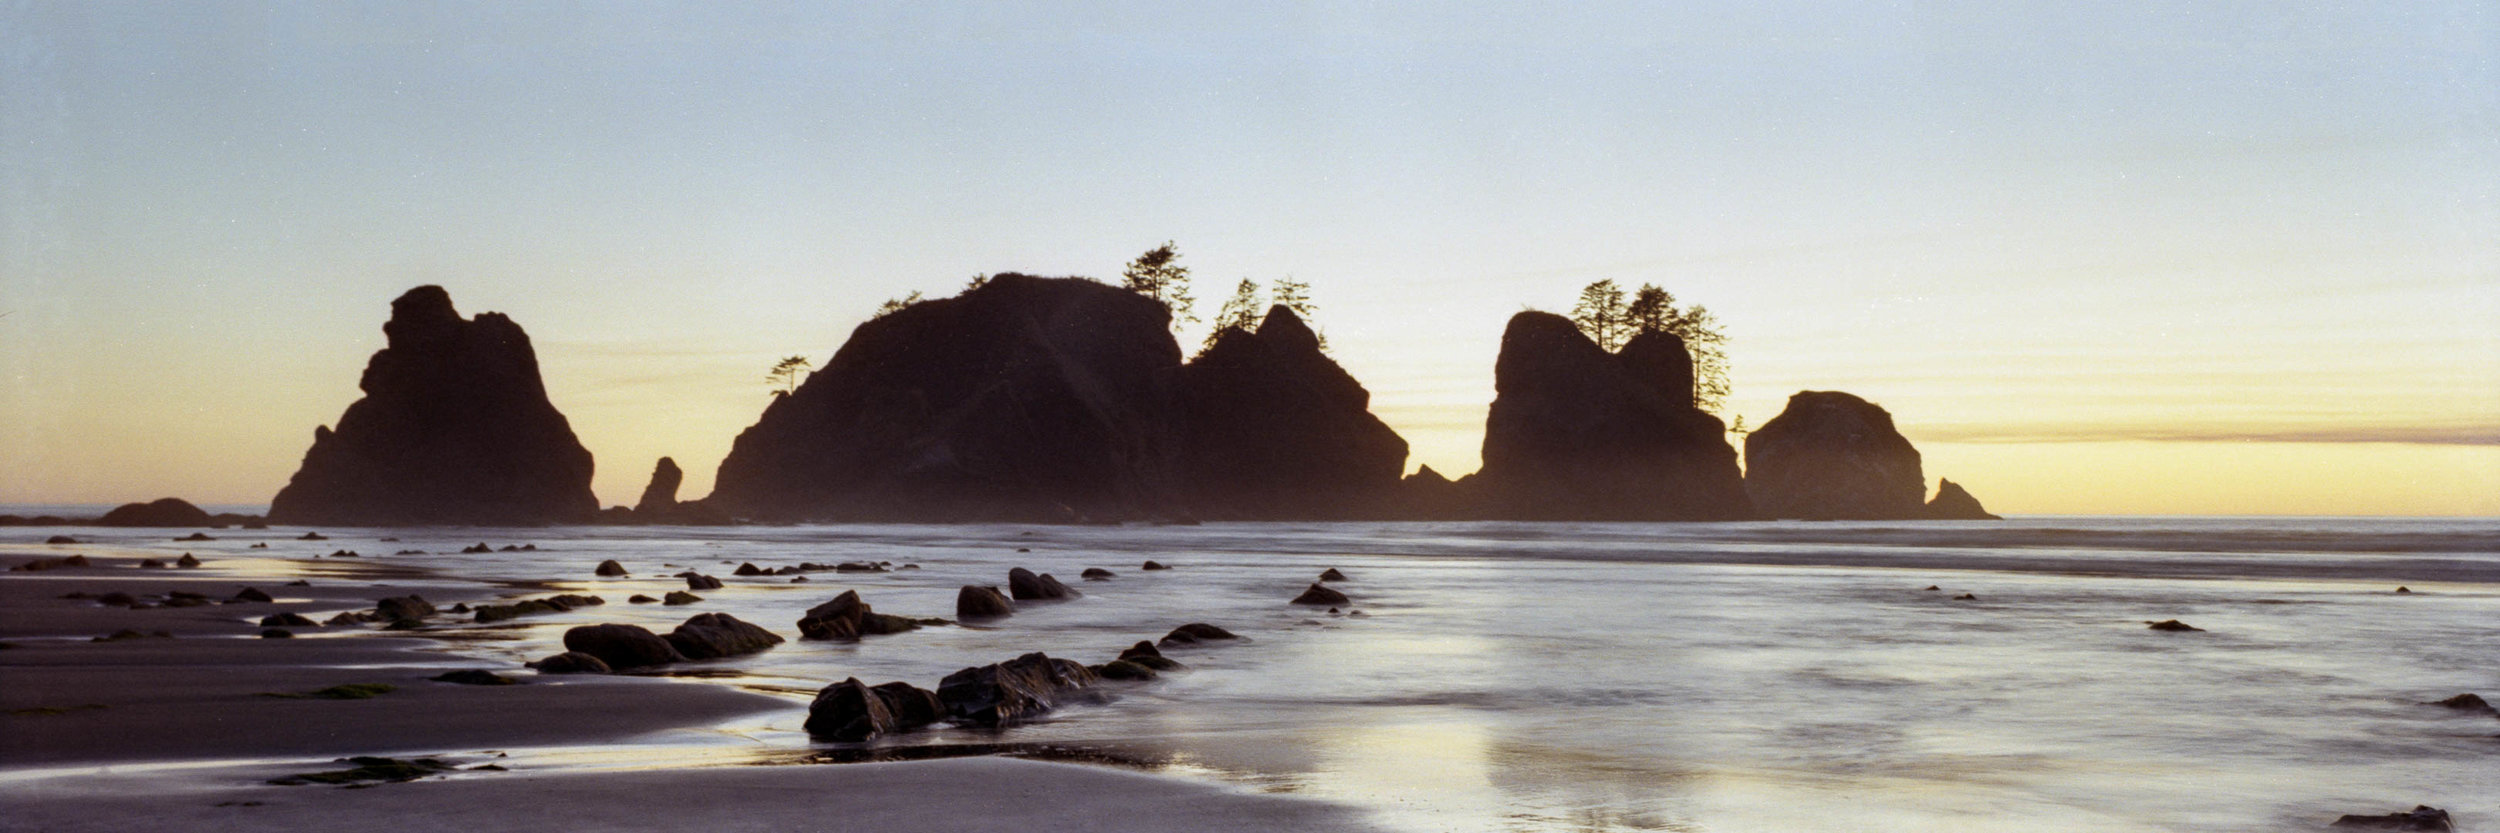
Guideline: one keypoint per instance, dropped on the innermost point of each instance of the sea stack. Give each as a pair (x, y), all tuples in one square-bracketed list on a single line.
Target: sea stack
[(1022, 399), (1953, 503), (1576, 433), (454, 428), (1276, 430), (660, 497), (1833, 456)]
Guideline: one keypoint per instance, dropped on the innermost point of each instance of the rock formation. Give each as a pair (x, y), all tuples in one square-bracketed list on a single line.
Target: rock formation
[(1953, 503), (850, 711), (454, 428), (1578, 434), (1014, 690), (660, 498), (1833, 456), (159, 512), (1276, 430)]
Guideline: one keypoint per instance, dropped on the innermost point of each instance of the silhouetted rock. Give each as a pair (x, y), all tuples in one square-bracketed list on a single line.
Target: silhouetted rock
[(2422, 818), (610, 569), (1153, 565), (1833, 456), (196, 536), (403, 607), (287, 620), (1014, 690), (571, 662), (454, 428), (749, 569), (1097, 574), (976, 601), (1039, 399), (473, 676), (60, 539), (679, 597), (1274, 429), (846, 618), (1331, 574), (2172, 625), (1320, 595), (660, 497), (851, 712), (621, 646), (2469, 702), (1144, 653), (42, 564), (699, 581), (159, 512), (1577, 434), (712, 635), (1953, 503), (1025, 586), (250, 594), (1194, 633)]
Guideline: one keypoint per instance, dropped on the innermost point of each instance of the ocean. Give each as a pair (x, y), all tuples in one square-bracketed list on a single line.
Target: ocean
[(1605, 677)]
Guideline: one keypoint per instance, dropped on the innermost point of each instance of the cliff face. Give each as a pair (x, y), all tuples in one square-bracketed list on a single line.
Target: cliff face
[(1276, 430), (454, 428), (1576, 433), (1034, 399), (1833, 456)]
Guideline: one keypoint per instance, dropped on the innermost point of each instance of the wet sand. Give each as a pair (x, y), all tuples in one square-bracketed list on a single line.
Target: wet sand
[(181, 732)]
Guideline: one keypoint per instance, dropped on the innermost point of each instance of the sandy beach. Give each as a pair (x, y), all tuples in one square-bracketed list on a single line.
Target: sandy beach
[(184, 730)]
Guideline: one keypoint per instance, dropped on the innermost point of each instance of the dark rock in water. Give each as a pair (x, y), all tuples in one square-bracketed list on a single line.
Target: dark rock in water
[(1833, 456), (454, 428), (473, 549), (151, 564), (1274, 429), (312, 536), (287, 620), (749, 569), (2422, 818), (1144, 653), (1933, 587), (476, 676), (276, 633), (196, 536), (1153, 565), (640, 599), (1320, 595), (610, 569), (699, 581), (250, 594), (859, 567), (1953, 503), (1120, 669), (404, 607), (1966, 597), (2404, 590), (1018, 689), (60, 539), (1332, 575), (976, 601), (846, 617), (159, 512), (2172, 625), (660, 497), (116, 599), (187, 561), (1097, 574), (712, 635), (1025, 586), (1577, 434), (571, 662), (852, 712), (622, 646), (2468, 702), (1037, 399), (1194, 633), (679, 597), (41, 564)]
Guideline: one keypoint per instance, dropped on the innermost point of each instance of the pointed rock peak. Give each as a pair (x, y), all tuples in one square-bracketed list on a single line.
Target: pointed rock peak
[(1425, 474), (1285, 330), (1953, 503), (419, 312)]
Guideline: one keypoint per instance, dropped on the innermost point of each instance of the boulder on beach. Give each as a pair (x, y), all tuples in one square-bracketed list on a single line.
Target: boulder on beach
[(699, 581), (1022, 399), (846, 617), (1953, 503), (411, 606), (159, 512), (851, 712), (1275, 429), (679, 597), (1025, 586), (454, 428), (1018, 689), (1097, 574), (2422, 818), (1195, 633), (976, 601), (714, 635), (1320, 594), (287, 620), (571, 662), (1833, 456), (610, 569), (1578, 434), (1144, 653), (1153, 565), (622, 646)]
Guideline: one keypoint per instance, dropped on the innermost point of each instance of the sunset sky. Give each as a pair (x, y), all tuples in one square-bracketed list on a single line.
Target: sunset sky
[(2137, 258)]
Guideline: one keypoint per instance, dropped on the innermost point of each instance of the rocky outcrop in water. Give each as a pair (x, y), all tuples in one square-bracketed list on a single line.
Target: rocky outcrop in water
[(1277, 430), (1953, 503), (660, 496), (1833, 456), (851, 712), (159, 512), (1025, 399), (454, 428), (1014, 690), (1576, 433)]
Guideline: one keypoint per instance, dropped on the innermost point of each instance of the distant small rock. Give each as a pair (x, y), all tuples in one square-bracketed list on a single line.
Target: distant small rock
[(571, 662), (60, 539), (2172, 625), (975, 601), (187, 561), (1194, 633), (196, 536), (1966, 597), (1321, 595), (474, 676), (1333, 575), (2404, 590), (610, 569), (287, 620), (151, 564), (312, 536), (1097, 574), (680, 597), (159, 512), (748, 569), (1144, 653), (2422, 818), (2469, 702), (411, 606), (640, 599), (249, 594), (1154, 565), (474, 549)]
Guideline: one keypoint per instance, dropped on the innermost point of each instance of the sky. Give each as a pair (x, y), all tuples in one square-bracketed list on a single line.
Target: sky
[(2135, 258)]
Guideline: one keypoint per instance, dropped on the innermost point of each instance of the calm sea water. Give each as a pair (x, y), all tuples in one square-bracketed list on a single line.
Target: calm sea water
[(1547, 677)]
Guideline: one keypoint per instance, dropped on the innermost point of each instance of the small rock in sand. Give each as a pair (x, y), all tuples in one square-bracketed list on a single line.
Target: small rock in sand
[(622, 646), (287, 620), (251, 595)]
